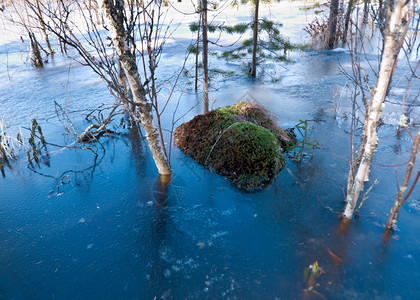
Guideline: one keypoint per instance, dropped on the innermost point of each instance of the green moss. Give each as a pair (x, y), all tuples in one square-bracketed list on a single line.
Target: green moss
[(247, 154), (240, 142)]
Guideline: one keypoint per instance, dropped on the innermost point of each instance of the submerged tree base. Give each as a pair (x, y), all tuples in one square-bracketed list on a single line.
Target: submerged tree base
[(240, 142)]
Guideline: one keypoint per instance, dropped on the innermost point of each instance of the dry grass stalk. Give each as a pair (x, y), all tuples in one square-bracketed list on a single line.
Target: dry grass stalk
[(9, 146)]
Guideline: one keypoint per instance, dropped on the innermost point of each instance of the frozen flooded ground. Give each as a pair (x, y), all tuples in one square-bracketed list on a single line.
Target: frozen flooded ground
[(88, 229)]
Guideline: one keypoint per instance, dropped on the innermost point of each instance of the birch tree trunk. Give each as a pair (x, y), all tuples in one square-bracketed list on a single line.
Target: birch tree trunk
[(396, 26), (205, 58), (255, 40), (114, 11)]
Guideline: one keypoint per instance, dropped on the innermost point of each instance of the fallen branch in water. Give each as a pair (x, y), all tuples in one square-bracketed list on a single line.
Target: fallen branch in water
[(89, 133)]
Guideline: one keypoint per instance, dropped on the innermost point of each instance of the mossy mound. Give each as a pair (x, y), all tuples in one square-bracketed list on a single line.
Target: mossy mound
[(240, 142)]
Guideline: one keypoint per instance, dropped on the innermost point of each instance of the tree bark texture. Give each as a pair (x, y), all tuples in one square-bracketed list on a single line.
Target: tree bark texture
[(197, 54), (114, 11), (347, 20), (396, 26), (205, 58), (255, 40), (366, 11), (332, 25)]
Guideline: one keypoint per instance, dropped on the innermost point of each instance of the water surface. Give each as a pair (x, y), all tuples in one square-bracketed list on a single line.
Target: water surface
[(87, 228)]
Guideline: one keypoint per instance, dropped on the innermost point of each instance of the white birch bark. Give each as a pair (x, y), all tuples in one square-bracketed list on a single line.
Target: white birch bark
[(395, 31), (114, 12)]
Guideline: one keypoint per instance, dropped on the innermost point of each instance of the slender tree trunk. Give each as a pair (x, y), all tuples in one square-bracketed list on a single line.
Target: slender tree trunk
[(347, 20), (114, 10), (205, 58), (399, 201), (43, 29), (123, 83), (197, 54), (366, 11), (332, 25), (380, 13), (63, 47), (255, 40), (356, 162), (395, 31)]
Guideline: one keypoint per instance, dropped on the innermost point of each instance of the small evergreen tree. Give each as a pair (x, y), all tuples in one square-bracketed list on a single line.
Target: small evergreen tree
[(271, 44)]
